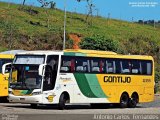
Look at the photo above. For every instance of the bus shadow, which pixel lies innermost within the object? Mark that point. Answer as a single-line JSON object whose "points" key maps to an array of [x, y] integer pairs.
{"points": [[70, 107]]}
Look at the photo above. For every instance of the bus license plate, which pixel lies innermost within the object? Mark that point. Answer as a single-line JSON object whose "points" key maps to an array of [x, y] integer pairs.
{"points": [[23, 99]]}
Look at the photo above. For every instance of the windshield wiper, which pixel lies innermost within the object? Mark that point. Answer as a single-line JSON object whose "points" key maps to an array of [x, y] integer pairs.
{"points": [[14, 85]]}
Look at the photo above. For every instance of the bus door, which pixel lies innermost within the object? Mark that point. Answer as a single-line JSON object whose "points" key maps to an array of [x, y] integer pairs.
{"points": [[50, 78]]}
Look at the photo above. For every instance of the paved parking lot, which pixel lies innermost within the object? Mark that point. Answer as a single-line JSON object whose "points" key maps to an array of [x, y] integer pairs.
{"points": [[24, 111]]}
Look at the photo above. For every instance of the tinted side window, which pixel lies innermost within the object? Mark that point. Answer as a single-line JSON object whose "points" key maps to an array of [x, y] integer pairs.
{"points": [[82, 64], [110, 66], [126, 66], [118, 66], [97, 65], [136, 67], [67, 64], [146, 67]]}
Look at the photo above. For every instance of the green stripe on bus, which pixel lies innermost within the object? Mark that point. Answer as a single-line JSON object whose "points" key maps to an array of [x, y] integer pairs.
{"points": [[83, 85], [80, 54], [74, 54], [26, 92], [69, 53], [95, 86]]}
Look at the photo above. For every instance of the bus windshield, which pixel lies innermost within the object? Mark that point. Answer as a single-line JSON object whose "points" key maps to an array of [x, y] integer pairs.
{"points": [[29, 59], [25, 77]]}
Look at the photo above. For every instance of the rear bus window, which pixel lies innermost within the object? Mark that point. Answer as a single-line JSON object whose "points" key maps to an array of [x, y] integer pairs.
{"points": [[146, 67]]}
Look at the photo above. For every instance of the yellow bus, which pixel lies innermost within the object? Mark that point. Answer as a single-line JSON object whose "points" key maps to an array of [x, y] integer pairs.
{"points": [[4, 58], [81, 76]]}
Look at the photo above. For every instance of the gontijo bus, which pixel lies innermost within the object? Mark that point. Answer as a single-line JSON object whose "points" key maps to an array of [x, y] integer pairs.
{"points": [[81, 76], [4, 58]]}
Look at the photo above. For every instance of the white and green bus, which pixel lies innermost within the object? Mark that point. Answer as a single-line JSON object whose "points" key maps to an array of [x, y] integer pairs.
{"points": [[80, 76]]}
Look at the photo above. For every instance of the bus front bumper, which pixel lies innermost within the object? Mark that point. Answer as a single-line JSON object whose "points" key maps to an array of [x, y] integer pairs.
{"points": [[25, 99]]}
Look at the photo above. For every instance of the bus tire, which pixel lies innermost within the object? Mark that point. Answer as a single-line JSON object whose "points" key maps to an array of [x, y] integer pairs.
{"points": [[124, 100], [133, 101], [62, 102], [4, 100]]}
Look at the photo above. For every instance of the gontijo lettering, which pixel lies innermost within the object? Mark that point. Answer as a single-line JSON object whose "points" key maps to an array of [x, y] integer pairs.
{"points": [[117, 79]]}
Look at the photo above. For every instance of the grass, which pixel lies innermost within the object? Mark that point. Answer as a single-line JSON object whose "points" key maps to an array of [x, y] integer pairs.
{"points": [[50, 20], [44, 30], [3, 49]]}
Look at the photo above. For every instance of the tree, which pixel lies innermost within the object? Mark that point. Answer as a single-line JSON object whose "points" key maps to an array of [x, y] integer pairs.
{"points": [[43, 3], [90, 9], [52, 5], [24, 2]]}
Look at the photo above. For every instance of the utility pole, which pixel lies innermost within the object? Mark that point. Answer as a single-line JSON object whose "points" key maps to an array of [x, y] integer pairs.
{"points": [[108, 18], [64, 37], [9, 2], [97, 12], [75, 10], [132, 19], [86, 10], [154, 24]]}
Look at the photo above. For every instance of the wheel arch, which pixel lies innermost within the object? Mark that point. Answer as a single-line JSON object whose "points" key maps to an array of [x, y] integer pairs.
{"points": [[66, 96]]}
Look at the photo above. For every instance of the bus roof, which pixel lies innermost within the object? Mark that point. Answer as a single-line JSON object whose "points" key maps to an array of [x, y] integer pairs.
{"points": [[9, 54], [91, 51], [12, 52], [80, 52], [6, 56], [41, 52], [108, 54]]}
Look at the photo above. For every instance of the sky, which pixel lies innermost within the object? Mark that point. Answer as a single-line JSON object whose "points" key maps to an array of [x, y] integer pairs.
{"points": [[129, 10]]}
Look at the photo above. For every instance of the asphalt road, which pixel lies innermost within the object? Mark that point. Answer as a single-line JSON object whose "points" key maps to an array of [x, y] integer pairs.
{"points": [[10, 111]]}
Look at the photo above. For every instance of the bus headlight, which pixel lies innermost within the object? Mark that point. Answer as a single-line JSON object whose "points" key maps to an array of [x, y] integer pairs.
{"points": [[36, 93], [10, 92]]}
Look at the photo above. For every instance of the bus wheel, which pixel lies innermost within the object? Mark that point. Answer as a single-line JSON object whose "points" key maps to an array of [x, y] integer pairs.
{"points": [[62, 102], [34, 106], [4, 100], [124, 100], [133, 101]]}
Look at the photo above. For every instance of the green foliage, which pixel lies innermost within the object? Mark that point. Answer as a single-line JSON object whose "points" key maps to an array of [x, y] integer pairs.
{"points": [[157, 80], [31, 28], [9, 33], [3, 49], [137, 43], [157, 72], [53, 5], [157, 76], [98, 42], [69, 44]]}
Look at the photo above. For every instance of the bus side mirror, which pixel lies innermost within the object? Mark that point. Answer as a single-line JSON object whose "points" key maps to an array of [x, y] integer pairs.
{"points": [[41, 69], [6, 68]]}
